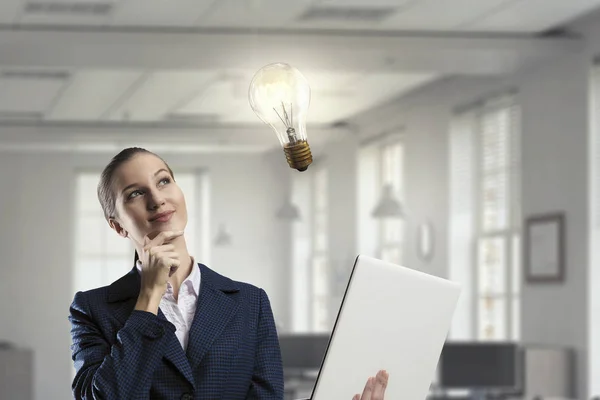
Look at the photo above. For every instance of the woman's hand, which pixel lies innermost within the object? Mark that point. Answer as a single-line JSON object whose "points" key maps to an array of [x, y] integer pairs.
{"points": [[159, 261], [375, 387]]}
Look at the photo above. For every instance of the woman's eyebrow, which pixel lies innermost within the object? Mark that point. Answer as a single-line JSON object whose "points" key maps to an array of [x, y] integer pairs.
{"points": [[135, 184]]}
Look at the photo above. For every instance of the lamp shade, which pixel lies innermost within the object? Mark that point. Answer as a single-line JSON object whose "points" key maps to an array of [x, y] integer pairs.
{"points": [[389, 206], [288, 211], [223, 237]]}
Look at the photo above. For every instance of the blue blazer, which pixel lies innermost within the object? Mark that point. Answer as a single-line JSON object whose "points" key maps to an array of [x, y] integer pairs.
{"points": [[121, 353]]}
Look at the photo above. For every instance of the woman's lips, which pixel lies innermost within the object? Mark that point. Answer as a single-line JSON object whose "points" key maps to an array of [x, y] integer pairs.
{"points": [[163, 217]]}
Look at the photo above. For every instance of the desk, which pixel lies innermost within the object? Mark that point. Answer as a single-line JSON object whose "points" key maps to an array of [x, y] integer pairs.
{"points": [[298, 384]]}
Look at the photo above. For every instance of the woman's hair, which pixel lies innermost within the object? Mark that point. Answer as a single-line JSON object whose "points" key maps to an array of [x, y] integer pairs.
{"points": [[106, 193]]}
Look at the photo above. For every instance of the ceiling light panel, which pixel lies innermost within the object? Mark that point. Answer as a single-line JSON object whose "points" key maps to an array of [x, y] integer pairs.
{"points": [[74, 12], [91, 93], [30, 91], [533, 15], [160, 13], [160, 94], [9, 9]]}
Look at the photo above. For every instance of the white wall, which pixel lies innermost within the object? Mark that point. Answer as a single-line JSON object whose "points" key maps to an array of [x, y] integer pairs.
{"points": [[340, 161], [36, 273], [555, 170], [590, 28], [36, 201]]}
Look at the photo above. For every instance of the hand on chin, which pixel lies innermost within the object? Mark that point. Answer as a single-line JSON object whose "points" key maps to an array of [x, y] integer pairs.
{"points": [[167, 227]]}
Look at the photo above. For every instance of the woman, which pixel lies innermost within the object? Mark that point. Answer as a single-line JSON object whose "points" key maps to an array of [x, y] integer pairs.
{"points": [[171, 328]]}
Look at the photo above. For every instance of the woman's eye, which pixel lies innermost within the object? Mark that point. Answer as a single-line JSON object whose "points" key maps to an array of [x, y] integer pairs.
{"points": [[131, 195], [162, 182]]}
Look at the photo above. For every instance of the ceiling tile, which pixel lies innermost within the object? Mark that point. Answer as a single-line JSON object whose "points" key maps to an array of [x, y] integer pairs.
{"points": [[28, 94], [332, 97], [368, 92], [224, 98], [331, 94], [254, 13], [9, 9], [91, 93], [378, 87], [66, 12], [229, 100], [324, 81], [363, 3], [439, 15], [533, 15], [159, 13], [161, 93]]}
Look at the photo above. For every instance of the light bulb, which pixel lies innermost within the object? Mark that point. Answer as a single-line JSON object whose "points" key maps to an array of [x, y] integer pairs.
{"points": [[280, 95]]}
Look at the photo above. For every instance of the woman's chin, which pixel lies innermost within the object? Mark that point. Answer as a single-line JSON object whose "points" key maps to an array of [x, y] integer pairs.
{"points": [[158, 229]]}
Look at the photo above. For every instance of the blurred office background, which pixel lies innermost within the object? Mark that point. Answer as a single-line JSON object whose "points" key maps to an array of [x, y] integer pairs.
{"points": [[454, 137]]}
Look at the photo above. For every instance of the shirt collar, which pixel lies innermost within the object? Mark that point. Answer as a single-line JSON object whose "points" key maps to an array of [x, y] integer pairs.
{"points": [[192, 279]]}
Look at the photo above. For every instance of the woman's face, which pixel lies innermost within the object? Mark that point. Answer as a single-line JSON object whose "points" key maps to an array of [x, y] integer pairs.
{"points": [[148, 200]]}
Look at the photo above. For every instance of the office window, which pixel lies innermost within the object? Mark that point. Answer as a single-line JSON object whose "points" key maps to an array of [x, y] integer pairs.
{"points": [[301, 254], [368, 193], [461, 224], [380, 163], [310, 282], [320, 253], [101, 256], [487, 168], [392, 229]]}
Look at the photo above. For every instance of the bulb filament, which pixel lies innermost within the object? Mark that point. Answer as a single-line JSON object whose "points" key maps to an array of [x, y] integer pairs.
{"points": [[288, 122]]}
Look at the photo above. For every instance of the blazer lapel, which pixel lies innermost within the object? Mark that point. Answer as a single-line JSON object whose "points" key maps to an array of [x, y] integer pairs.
{"points": [[214, 310], [124, 293], [175, 354]]}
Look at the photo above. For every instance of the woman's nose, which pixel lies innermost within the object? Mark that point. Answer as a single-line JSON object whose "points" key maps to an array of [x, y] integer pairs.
{"points": [[155, 200]]}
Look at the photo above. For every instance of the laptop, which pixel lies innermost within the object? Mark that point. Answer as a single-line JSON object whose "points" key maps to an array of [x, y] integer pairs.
{"points": [[392, 318]]}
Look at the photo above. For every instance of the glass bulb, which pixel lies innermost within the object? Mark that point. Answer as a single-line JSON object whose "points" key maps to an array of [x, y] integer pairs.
{"points": [[280, 96]]}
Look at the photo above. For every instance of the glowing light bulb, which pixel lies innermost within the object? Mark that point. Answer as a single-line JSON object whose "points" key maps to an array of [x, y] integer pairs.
{"points": [[280, 95]]}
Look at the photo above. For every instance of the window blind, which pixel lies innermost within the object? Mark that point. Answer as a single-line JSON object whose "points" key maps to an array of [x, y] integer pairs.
{"points": [[485, 218]]}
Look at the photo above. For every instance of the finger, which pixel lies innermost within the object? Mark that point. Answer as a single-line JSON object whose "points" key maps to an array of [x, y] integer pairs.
{"points": [[356, 397], [173, 266], [165, 248], [169, 254], [157, 252], [147, 244], [387, 379], [169, 263], [368, 390], [165, 236], [166, 265], [152, 250], [379, 385], [162, 255]]}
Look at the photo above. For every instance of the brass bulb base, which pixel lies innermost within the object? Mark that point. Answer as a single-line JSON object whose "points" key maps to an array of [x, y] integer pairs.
{"points": [[298, 155]]}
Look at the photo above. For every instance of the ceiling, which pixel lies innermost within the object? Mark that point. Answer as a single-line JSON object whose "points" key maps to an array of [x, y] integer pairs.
{"points": [[206, 96], [124, 62], [413, 15]]}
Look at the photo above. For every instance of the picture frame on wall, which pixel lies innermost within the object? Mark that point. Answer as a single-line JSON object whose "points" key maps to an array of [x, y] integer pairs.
{"points": [[544, 248]]}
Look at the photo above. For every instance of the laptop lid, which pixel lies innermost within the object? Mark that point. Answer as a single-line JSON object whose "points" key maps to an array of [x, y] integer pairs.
{"points": [[392, 318]]}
